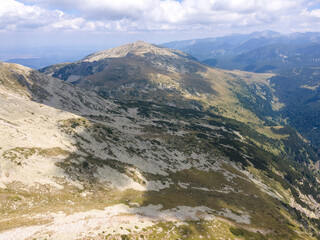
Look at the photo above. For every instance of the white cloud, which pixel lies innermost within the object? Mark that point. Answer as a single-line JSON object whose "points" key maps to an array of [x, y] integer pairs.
{"points": [[314, 13], [15, 15], [157, 15]]}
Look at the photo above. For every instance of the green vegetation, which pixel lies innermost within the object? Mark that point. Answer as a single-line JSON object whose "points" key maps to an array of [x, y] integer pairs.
{"points": [[196, 230], [298, 89], [19, 154], [236, 231], [255, 97]]}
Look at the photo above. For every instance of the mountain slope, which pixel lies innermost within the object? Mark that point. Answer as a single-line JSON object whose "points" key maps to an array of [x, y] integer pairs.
{"points": [[145, 72], [298, 89], [75, 165], [141, 71], [293, 57]]}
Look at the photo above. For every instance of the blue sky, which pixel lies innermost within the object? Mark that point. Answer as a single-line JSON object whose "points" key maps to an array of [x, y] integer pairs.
{"points": [[99, 24]]}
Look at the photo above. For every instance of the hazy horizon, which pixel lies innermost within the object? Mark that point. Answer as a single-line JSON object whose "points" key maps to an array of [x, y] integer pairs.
{"points": [[85, 47], [37, 28]]}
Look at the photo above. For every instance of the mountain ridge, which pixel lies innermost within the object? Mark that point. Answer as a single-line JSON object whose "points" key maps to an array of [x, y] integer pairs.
{"points": [[178, 77], [138, 48], [236, 44]]}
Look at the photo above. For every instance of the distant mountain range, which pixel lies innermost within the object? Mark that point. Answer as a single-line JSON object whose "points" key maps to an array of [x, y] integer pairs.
{"points": [[257, 52]]}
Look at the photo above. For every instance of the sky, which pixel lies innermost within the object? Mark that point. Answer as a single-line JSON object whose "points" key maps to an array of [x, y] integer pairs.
{"points": [[31, 27]]}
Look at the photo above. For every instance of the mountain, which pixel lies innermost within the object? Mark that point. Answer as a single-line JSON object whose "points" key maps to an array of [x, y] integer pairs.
{"points": [[209, 48], [228, 47], [256, 52], [275, 58], [142, 71], [148, 143]]}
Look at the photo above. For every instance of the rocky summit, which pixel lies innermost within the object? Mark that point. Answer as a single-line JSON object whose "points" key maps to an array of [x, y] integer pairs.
{"points": [[145, 142]]}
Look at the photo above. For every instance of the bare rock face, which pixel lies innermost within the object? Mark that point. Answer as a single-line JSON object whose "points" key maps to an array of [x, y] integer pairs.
{"points": [[74, 165]]}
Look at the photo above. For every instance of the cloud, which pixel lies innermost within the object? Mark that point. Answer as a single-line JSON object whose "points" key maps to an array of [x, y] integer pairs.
{"points": [[15, 15], [158, 15]]}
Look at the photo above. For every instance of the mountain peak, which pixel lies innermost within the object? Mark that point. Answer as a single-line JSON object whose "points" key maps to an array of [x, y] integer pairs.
{"points": [[141, 43], [136, 46], [139, 48]]}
